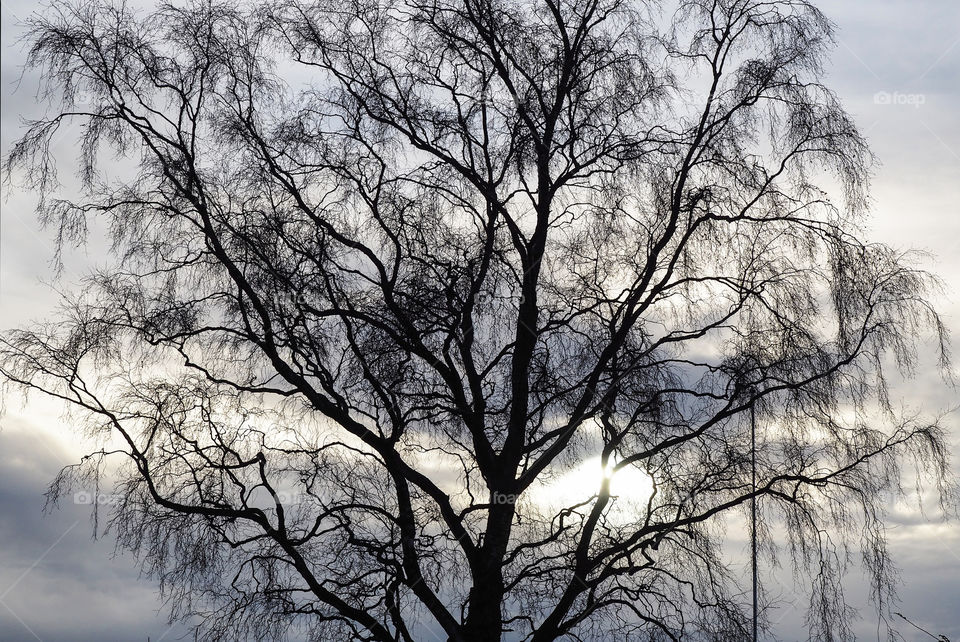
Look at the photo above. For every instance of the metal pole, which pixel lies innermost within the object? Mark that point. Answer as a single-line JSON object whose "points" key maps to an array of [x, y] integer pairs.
{"points": [[753, 513]]}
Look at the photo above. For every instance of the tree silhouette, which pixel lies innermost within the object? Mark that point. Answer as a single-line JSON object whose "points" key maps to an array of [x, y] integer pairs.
{"points": [[386, 270]]}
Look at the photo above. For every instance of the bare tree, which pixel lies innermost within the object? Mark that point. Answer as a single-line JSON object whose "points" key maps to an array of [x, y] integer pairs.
{"points": [[385, 270]]}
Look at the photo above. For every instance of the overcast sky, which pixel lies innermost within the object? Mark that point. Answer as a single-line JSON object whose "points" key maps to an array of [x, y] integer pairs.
{"points": [[897, 68]]}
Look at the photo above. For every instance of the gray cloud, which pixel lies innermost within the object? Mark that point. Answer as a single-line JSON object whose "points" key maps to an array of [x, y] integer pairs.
{"points": [[56, 581]]}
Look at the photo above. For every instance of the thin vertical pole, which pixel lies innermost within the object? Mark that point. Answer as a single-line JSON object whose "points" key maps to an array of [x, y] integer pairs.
{"points": [[753, 513]]}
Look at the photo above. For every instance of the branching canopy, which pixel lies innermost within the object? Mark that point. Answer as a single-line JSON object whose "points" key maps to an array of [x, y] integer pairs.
{"points": [[386, 269]]}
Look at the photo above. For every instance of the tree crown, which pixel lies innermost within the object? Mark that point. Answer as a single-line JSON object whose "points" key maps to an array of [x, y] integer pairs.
{"points": [[387, 269]]}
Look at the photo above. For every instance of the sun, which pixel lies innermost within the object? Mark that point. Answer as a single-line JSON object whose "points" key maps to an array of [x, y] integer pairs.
{"points": [[630, 489]]}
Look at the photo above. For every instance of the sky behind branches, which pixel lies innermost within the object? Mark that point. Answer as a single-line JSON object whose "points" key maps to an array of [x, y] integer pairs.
{"points": [[897, 68]]}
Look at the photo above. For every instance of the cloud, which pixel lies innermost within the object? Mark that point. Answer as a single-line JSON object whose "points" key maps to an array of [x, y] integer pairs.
{"points": [[56, 581]]}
